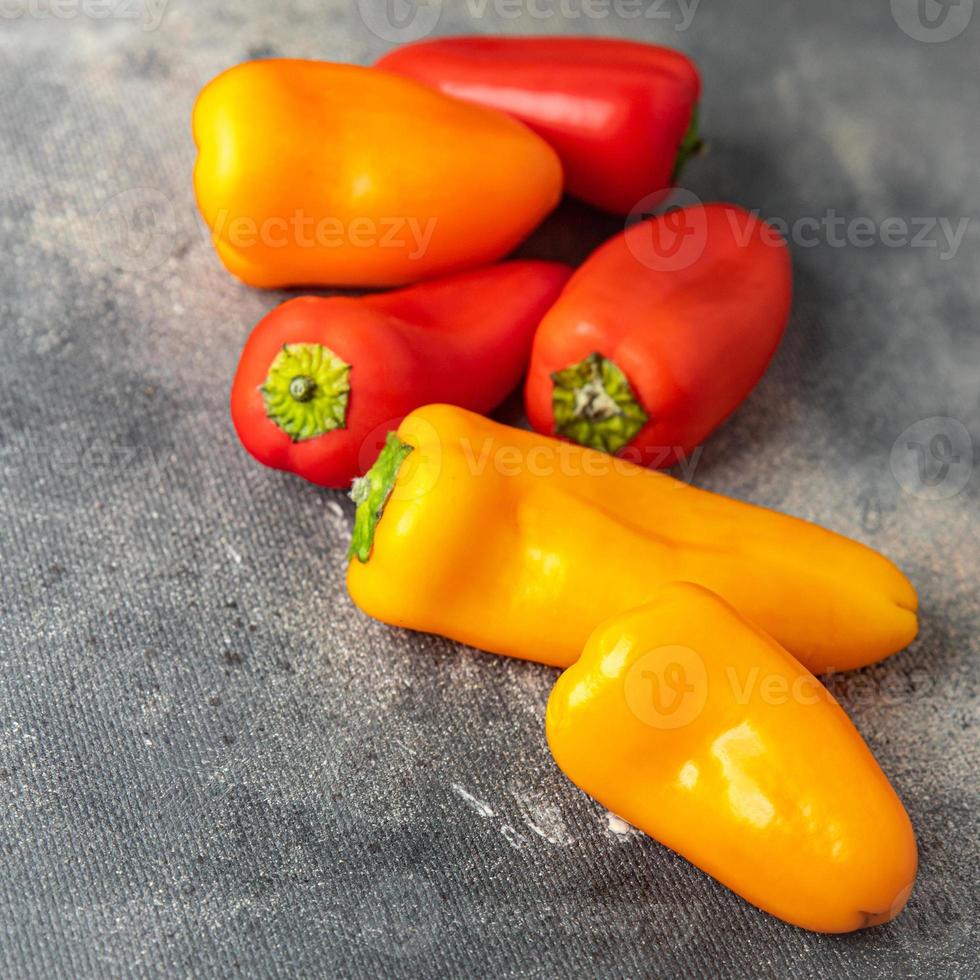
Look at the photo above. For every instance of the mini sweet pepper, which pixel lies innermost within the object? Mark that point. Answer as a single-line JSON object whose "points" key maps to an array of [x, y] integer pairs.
{"points": [[695, 726], [317, 173], [661, 334], [622, 115], [520, 544], [322, 380]]}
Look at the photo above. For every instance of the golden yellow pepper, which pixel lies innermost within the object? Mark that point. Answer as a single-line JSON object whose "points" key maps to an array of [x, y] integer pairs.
{"points": [[317, 173], [520, 544], [698, 728]]}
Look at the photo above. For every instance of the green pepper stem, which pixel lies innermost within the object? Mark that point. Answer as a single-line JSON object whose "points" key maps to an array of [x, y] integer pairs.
{"points": [[306, 391], [691, 146], [302, 388], [594, 405], [371, 492]]}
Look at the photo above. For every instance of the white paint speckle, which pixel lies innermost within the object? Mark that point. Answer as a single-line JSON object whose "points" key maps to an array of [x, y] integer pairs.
{"points": [[618, 826], [545, 820], [478, 806], [513, 837]]}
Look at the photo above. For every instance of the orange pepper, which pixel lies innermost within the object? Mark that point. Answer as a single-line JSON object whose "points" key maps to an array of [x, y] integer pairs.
{"points": [[317, 173], [520, 544], [699, 729]]}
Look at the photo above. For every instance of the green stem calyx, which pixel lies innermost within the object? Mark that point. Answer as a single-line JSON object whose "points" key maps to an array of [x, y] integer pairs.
{"points": [[594, 405], [306, 391], [302, 388], [691, 146], [371, 492]]}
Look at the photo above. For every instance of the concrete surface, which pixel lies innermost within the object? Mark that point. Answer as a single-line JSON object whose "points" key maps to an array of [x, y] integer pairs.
{"points": [[210, 762]]}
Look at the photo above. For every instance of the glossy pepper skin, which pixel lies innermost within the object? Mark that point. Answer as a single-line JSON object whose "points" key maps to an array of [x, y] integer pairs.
{"points": [[698, 728], [322, 380], [317, 173], [661, 334], [519, 544], [622, 115]]}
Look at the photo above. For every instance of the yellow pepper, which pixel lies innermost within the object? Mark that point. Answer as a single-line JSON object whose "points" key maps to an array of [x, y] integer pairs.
{"points": [[698, 728], [317, 173], [520, 544]]}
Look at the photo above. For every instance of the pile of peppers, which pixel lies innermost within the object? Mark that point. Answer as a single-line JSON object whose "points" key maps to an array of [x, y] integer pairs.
{"points": [[689, 627]]}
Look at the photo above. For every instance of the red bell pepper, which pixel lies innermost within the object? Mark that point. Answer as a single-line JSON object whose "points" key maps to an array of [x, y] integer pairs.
{"points": [[322, 380], [621, 115], [661, 333]]}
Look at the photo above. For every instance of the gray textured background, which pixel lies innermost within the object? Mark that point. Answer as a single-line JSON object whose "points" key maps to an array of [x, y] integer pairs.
{"points": [[210, 762]]}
